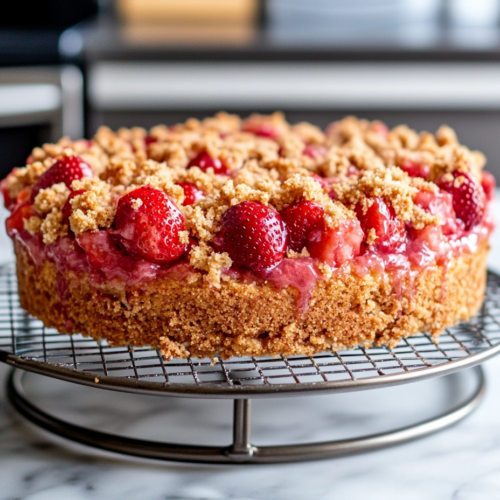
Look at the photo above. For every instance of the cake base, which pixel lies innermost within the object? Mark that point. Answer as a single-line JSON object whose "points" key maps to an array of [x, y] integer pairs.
{"points": [[240, 319]]}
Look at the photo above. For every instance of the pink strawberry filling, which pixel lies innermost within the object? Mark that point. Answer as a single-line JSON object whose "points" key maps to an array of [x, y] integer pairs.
{"points": [[415, 169], [144, 244]]}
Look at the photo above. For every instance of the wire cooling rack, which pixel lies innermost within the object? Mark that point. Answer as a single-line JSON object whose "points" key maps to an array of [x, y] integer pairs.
{"points": [[27, 344]]}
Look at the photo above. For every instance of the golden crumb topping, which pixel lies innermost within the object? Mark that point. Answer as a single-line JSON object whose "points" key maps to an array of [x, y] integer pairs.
{"points": [[54, 197], [94, 208], [261, 158]]}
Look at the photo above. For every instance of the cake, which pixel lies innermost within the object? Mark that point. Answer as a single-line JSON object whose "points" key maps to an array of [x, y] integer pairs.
{"points": [[229, 237]]}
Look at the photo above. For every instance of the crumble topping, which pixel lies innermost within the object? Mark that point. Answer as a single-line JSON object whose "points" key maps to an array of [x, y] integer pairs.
{"points": [[267, 160], [54, 197], [53, 227], [32, 225], [95, 208], [393, 185]]}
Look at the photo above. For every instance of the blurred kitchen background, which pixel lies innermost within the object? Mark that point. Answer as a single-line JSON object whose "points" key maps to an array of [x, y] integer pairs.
{"points": [[68, 67]]}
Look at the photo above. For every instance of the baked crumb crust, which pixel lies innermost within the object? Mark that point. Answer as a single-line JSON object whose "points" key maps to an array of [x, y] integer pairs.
{"points": [[211, 310], [239, 319]]}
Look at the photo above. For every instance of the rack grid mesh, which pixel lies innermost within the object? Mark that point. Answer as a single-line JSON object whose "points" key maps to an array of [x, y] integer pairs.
{"points": [[26, 338]]}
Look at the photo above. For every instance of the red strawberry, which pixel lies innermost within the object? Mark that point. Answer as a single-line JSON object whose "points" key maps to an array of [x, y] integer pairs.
{"points": [[300, 219], [67, 169], [415, 168], [321, 180], [148, 223], [260, 127], [352, 171], [315, 151], [336, 245], [191, 193], [440, 203], [488, 183], [469, 200], [204, 161], [380, 128], [8, 202], [15, 222], [390, 231], [149, 139], [67, 208], [100, 249], [253, 235]]}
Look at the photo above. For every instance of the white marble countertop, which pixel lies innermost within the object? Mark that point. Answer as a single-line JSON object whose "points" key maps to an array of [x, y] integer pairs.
{"points": [[461, 463]]}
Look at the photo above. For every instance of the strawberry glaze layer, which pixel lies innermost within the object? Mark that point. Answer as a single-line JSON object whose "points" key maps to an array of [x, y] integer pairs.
{"points": [[109, 266]]}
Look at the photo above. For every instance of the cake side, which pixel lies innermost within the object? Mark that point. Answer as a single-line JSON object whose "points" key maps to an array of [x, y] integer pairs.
{"points": [[252, 237], [254, 320]]}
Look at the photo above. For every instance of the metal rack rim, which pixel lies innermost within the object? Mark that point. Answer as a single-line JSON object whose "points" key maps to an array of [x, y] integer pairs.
{"points": [[27, 338], [241, 451], [244, 392]]}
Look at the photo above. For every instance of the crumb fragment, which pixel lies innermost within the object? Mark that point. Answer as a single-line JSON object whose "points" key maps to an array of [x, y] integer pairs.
{"points": [[94, 209], [54, 197]]}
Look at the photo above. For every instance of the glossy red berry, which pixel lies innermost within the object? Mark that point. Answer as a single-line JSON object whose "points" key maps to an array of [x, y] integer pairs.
{"points": [[390, 232], [301, 218], [321, 180], [415, 168], [315, 151], [67, 170], [204, 161], [337, 245], [100, 249], [469, 200], [148, 224], [441, 204], [261, 127], [15, 222], [254, 235], [8, 202], [149, 139], [191, 193], [488, 184], [67, 208]]}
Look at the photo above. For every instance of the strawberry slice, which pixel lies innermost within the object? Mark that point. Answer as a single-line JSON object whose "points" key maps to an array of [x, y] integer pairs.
{"points": [[254, 235], [335, 246], [8, 202], [204, 161], [191, 193], [148, 224], [149, 139], [15, 222], [315, 151], [67, 170], [441, 204], [415, 168], [389, 230], [301, 218], [100, 249], [469, 200], [260, 126], [488, 184]]}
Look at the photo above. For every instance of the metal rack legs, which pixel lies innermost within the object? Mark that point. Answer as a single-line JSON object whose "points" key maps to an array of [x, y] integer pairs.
{"points": [[241, 451]]}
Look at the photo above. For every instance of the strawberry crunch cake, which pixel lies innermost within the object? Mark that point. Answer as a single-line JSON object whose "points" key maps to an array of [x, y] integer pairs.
{"points": [[252, 237]]}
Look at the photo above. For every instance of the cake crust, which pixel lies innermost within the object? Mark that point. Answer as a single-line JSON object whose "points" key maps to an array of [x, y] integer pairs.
{"points": [[252, 237], [240, 319]]}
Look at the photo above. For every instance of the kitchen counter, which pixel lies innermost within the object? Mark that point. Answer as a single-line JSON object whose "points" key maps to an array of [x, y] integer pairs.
{"points": [[460, 463]]}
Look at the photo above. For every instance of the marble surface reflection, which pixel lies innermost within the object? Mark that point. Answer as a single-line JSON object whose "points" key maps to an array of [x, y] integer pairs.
{"points": [[461, 463]]}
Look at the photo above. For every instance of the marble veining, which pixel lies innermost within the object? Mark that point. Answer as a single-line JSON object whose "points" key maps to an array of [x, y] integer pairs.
{"points": [[461, 463]]}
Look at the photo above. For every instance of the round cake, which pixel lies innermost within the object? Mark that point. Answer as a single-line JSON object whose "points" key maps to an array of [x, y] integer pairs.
{"points": [[229, 237]]}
